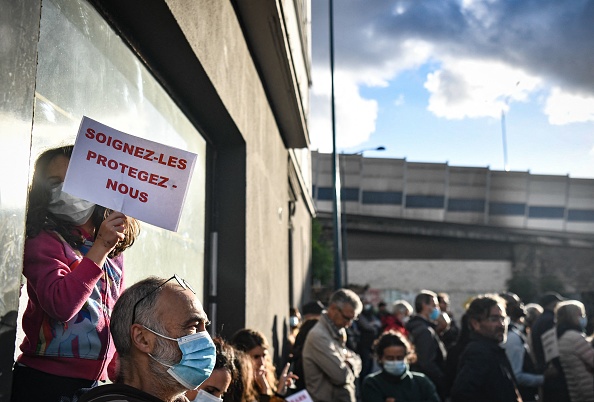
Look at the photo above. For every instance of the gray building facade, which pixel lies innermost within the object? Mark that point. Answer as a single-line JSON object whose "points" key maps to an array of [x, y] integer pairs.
{"points": [[227, 80]]}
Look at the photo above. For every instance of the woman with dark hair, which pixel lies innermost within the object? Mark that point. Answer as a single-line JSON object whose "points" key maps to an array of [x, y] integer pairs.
{"points": [[395, 382], [255, 344], [242, 387], [73, 263]]}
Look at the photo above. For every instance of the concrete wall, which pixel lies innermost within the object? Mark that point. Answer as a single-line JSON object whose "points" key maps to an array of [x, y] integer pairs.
{"points": [[396, 188], [389, 280], [216, 37]]}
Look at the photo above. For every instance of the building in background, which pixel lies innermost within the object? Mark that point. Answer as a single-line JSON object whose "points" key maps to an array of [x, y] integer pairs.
{"points": [[227, 80], [461, 230]]}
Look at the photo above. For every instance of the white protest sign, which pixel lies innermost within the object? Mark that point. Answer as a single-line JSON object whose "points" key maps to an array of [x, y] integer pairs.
{"points": [[138, 177], [549, 344], [301, 396]]}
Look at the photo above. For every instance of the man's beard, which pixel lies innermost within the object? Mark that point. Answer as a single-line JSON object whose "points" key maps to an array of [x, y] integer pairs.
{"points": [[167, 352], [502, 335]]}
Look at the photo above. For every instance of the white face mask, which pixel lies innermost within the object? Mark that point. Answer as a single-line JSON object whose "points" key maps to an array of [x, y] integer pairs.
{"points": [[68, 207], [204, 396]]}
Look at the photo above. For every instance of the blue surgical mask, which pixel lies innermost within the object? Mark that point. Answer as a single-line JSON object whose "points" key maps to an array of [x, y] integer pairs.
{"points": [[68, 207], [204, 396], [434, 314], [198, 359], [583, 322], [395, 367]]}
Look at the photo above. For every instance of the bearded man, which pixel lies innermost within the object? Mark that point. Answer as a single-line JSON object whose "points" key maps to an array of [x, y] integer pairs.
{"points": [[484, 372], [159, 330]]}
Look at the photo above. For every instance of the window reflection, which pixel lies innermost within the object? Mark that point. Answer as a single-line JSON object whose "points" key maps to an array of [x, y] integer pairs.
{"points": [[84, 68]]}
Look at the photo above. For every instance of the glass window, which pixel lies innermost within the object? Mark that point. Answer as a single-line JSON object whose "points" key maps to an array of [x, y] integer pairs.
{"points": [[84, 68]]}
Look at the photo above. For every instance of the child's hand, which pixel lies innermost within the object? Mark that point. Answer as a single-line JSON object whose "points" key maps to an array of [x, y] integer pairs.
{"points": [[112, 230]]}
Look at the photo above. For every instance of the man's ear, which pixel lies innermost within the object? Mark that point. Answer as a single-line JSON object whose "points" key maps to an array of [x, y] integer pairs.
{"points": [[331, 311], [475, 325], [424, 307], [142, 339]]}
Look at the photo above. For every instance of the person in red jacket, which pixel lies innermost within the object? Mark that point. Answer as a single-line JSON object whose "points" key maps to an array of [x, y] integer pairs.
{"points": [[74, 268]]}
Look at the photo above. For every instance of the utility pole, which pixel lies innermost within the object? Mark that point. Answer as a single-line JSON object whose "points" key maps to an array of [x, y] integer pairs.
{"points": [[335, 168]]}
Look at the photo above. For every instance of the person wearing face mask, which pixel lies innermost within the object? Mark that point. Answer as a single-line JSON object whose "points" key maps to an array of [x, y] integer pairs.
{"points": [[402, 312], [159, 330], [74, 267], [431, 353], [451, 332], [395, 382], [575, 352], [223, 374]]}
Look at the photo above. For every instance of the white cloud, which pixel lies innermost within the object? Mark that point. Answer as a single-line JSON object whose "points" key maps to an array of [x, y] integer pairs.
{"points": [[566, 108], [467, 88], [355, 115], [479, 12], [476, 52]]}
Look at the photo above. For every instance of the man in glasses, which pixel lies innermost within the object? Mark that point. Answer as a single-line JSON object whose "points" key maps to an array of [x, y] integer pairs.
{"points": [[331, 369], [159, 330], [484, 372]]}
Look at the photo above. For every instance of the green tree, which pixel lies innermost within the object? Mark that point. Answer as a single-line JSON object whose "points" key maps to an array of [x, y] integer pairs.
{"points": [[551, 283], [321, 255], [524, 287], [529, 288]]}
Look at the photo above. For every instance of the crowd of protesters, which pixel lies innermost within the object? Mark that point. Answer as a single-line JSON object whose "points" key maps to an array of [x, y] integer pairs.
{"points": [[82, 328], [499, 350]]}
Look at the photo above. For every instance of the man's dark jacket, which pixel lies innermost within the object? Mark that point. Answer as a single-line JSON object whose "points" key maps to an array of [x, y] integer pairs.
{"points": [[484, 374], [431, 353], [542, 324]]}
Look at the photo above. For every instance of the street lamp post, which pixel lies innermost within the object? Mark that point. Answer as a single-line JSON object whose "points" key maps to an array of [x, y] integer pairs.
{"points": [[337, 216], [335, 168], [343, 210]]}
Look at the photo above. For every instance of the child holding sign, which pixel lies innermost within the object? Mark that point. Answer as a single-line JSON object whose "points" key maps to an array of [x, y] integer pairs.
{"points": [[74, 268]]}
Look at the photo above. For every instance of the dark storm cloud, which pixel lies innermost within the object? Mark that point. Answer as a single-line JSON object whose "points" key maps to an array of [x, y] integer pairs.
{"points": [[553, 39]]}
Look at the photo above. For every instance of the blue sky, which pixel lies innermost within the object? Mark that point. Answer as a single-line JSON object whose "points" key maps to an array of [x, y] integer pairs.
{"points": [[429, 79]]}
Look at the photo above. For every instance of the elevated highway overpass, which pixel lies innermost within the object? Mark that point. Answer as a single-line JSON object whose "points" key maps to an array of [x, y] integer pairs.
{"points": [[463, 230]]}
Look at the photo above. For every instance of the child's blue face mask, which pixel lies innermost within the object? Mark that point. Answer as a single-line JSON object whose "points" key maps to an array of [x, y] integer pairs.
{"points": [[198, 359]]}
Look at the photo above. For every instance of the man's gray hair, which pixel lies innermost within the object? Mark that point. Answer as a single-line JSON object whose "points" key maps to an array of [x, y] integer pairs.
{"points": [[346, 296], [402, 306], [123, 311]]}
